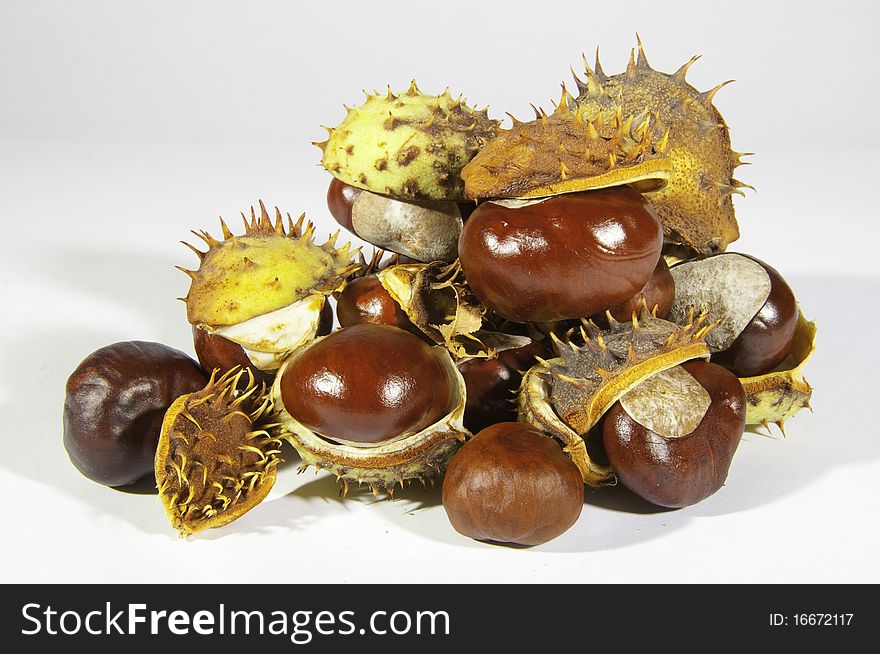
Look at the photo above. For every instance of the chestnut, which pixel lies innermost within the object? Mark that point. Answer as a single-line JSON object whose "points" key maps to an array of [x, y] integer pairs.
{"points": [[755, 308], [340, 198], [658, 293], [365, 300], [767, 338], [569, 256], [492, 383], [672, 438], [511, 483], [368, 384], [114, 405]]}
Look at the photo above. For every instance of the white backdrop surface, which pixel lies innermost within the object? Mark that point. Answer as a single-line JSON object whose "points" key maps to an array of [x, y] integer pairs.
{"points": [[125, 125]]}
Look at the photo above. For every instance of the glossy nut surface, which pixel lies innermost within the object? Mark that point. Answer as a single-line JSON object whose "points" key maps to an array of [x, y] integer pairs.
{"points": [[512, 484], [340, 198], [365, 300], [677, 472], [658, 292], [368, 384], [114, 406], [567, 257], [768, 337], [491, 384]]}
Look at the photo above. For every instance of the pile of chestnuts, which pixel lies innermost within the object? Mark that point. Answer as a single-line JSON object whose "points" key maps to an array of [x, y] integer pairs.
{"points": [[546, 307]]}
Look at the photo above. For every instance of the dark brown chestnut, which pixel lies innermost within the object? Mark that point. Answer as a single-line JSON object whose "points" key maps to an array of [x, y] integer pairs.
{"points": [[365, 300], [566, 257], [768, 337], [659, 292], [340, 199], [754, 309], [511, 483], [671, 439], [491, 384], [367, 384], [114, 406]]}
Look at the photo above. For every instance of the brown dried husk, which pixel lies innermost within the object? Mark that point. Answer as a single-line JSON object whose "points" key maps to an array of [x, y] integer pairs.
{"points": [[437, 300], [216, 460], [566, 396], [576, 148], [696, 205], [777, 396]]}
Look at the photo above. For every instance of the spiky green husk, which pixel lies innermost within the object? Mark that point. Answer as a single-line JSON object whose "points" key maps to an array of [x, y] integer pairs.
{"points": [[410, 146], [215, 459], [265, 269], [576, 148], [696, 205], [566, 396], [422, 456]]}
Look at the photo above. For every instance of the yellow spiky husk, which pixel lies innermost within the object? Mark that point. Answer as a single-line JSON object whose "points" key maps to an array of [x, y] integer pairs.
{"points": [[268, 267], [409, 145]]}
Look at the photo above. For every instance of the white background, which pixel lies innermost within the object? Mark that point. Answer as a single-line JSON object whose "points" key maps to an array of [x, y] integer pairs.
{"points": [[125, 125]]}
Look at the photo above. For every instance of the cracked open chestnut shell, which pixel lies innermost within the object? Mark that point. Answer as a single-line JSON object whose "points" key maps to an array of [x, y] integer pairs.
{"points": [[672, 438], [565, 257], [511, 483], [114, 405]]}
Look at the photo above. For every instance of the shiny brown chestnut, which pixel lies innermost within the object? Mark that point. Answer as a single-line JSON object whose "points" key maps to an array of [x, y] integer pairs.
{"points": [[566, 257], [491, 384], [367, 384], [114, 405], [340, 199], [658, 293], [671, 440], [768, 337], [511, 483], [217, 352], [365, 300]]}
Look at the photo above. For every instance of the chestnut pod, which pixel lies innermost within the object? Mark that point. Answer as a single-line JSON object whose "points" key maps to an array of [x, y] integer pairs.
{"points": [[492, 384], [658, 292], [511, 483], [368, 384], [671, 439], [566, 257], [114, 405], [340, 199]]}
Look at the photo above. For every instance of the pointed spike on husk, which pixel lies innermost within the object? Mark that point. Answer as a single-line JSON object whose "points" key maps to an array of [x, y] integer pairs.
{"points": [[739, 184], [682, 72], [642, 63], [600, 74], [227, 233], [631, 70], [198, 252], [581, 85], [413, 89], [706, 96], [192, 274]]}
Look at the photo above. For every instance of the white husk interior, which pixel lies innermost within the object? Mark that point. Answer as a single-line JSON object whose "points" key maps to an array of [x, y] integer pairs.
{"points": [[729, 288], [277, 332], [671, 403], [426, 232]]}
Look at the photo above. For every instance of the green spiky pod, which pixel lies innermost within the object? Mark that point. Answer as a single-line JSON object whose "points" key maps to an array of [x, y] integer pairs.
{"points": [[567, 395], [410, 146], [216, 460], [576, 148], [421, 456], [437, 300], [696, 205], [266, 289], [777, 396]]}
